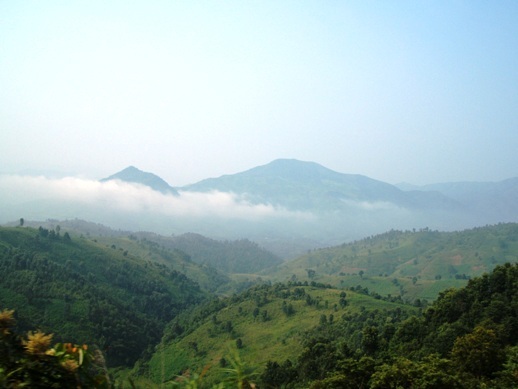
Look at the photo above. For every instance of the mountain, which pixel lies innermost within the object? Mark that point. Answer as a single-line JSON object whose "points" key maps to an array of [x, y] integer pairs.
{"points": [[204, 255], [286, 206], [132, 174], [299, 185], [497, 201]]}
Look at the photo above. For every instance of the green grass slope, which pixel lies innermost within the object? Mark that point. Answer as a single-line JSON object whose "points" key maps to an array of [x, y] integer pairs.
{"points": [[264, 323], [88, 292]]}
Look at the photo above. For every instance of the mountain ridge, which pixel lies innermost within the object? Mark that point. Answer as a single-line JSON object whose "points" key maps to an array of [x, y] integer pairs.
{"points": [[305, 185], [286, 206]]}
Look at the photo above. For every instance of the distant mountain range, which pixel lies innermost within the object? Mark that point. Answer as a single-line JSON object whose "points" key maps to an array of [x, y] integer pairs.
{"points": [[495, 201], [308, 186], [287, 206]]}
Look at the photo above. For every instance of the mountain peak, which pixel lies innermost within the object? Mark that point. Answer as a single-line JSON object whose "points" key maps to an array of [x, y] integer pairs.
{"points": [[300, 185], [135, 175], [294, 168]]}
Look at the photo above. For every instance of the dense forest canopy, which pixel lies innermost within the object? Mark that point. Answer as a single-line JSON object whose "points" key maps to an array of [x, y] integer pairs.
{"points": [[88, 293]]}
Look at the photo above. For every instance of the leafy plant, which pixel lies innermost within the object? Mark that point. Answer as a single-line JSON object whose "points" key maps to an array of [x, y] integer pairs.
{"points": [[32, 362]]}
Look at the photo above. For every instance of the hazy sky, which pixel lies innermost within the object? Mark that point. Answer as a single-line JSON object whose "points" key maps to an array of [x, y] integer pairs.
{"points": [[415, 91]]}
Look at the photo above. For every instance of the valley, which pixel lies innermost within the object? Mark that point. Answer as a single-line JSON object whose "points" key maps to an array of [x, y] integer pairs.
{"points": [[162, 307]]}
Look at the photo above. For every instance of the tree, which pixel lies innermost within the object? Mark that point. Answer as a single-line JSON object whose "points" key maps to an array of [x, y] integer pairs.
{"points": [[311, 273], [323, 320], [288, 308], [432, 372], [478, 353], [370, 339], [194, 346], [401, 374], [22, 221], [361, 273]]}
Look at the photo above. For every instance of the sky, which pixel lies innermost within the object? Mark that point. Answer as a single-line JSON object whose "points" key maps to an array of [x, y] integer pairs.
{"points": [[400, 91]]}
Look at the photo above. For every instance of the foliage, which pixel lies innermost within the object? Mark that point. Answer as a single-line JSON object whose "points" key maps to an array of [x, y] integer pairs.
{"points": [[32, 362], [460, 341], [478, 353], [268, 329], [304, 332], [89, 293]]}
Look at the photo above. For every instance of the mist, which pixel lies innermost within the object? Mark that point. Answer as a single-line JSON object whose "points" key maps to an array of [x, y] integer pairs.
{"points": [[220, 215]]}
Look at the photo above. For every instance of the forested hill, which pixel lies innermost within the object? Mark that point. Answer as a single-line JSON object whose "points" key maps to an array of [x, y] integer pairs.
{"points": [[90, 293], [236, 256], [424, 254], [226, 256]]}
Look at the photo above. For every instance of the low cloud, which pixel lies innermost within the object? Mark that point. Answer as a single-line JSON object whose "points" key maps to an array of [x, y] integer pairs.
{"points": [[134, 198], [372, 205]]}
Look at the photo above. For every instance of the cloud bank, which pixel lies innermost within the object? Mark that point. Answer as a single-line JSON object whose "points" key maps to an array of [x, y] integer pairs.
{"points": [[126, 197]]}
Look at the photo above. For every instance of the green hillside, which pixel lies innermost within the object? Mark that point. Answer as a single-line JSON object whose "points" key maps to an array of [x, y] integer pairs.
{"points": [[263, 323], [208, 278], [145, 245], [237, 256], [207, 261], [314, 336], [88, 292], [412, 263], [342, 317]]}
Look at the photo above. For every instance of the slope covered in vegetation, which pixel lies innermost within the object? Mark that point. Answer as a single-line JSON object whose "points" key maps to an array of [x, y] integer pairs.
{"points": [[418, 264], [237, 256], [90, 293], [263, 323], [314, 336]]}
